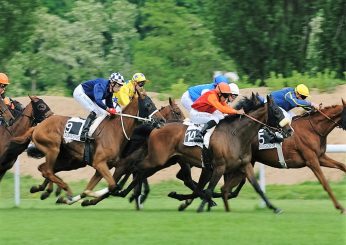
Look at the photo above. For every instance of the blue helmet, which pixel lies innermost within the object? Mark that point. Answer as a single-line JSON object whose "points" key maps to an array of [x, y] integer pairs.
{"points": [[220, 79]]}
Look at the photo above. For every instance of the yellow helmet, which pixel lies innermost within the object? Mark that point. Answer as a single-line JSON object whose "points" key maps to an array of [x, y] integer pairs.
{"points": [[302, 90], [139, 77], [4, 79]]}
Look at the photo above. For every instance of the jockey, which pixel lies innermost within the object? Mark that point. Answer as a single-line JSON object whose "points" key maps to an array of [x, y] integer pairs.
{"points": [[15, 107], [91, 94], [4, 81], [289, 98], [128, 91], [193, 93], [211, 107]]}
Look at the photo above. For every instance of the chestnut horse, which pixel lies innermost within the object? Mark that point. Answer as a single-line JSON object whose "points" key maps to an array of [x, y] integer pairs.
{"points": [[306, 148], [109, 140], [230, 144], [170, 112], [35, 112]]}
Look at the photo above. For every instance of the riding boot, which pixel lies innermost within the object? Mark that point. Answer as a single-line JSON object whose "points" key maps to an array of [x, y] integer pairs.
{"points": [[87, 124], [200, 134]]}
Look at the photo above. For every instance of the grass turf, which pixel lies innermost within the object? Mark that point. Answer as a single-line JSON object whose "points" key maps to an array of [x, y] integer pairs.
{"points": [[309, 218]]}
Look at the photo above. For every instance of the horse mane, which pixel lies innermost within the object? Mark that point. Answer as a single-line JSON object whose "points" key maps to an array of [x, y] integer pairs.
{"points": [[312, 112], [248, 104]]}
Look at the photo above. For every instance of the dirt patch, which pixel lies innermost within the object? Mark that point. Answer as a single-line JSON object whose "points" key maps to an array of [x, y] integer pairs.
{"points": [[69, 107]]}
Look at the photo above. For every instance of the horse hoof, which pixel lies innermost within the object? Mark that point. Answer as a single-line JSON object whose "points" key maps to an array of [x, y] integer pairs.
{"points": [[60, 200], [44, 195], [57, 192], [85, 203], [182, 207], [172, 194], [278, 211], [34, 189], [132, 197]]}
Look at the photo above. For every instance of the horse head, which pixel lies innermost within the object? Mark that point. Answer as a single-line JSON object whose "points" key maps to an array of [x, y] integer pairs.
{"points": [[40, 109], [147, 109], [172, 112]]}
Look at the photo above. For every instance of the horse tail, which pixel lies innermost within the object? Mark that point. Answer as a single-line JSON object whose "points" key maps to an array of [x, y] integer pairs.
{"points": [[33, 152], [24, 138]]}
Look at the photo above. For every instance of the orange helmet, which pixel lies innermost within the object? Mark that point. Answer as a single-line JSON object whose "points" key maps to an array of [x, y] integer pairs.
{"points": [[223, 88], [4, 79]]}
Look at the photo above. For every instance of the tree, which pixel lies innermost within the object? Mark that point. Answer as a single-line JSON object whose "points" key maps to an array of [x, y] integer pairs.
{"points": [[175, 45], [17, 20], [89, 43]]}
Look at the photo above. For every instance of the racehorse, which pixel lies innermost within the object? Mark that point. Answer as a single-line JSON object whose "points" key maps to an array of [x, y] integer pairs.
{"points": [[170, 112], [229, 144], [109, 140], [35, 112], [306, 148]]}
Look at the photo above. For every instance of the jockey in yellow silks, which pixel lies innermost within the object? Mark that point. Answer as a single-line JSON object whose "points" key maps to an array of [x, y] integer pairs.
{"points": [[128, 91]]}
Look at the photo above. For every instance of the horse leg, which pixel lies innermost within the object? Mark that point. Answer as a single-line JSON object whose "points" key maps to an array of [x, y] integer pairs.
{"points": [[316, 169], [102, 168], [48, 190], [328, 162], [216, 176], [250, 174], [41, 187], [2, 173]]}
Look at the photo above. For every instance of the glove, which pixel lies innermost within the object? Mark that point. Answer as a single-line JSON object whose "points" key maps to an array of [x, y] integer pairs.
{"points": [[111, 111]]}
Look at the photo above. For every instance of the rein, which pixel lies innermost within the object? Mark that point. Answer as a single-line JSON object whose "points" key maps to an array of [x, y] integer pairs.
{"points": [[327, 117], [256, 120]]}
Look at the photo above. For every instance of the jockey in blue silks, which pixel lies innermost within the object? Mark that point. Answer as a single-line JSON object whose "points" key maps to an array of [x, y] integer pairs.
{"points": [[289, 98], [193, 93], [91, 94]]}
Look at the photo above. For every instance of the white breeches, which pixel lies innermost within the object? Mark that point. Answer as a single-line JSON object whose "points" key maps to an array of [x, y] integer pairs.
{"points": [[289, 115], [204, 117], [86, 102], [186, 101]]}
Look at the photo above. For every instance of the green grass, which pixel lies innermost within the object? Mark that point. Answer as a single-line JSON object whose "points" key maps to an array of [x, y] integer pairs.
{"points": [[309, 218]]}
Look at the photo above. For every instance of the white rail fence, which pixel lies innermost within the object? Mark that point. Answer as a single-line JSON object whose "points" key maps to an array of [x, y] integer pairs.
{"points": [[262, 182]]}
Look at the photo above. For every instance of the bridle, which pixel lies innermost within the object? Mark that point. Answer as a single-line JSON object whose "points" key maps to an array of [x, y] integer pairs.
{"points": [[175, 114], [328, 118]]}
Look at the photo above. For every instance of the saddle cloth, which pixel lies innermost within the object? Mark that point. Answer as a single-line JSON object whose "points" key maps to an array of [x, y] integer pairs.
{"points": [[191, 132], [74, 126], [264, 143]]}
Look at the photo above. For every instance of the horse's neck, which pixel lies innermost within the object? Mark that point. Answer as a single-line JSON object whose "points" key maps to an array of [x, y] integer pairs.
{"points": [[324, 125], [131, 109], [23, 122], [247, 128]]}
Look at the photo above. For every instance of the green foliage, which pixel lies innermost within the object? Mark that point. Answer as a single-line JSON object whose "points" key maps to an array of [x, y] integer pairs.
{"points": [[324, 81], [332, 40], [177, 89], [17, 21], [176, 45], [62, 53]]}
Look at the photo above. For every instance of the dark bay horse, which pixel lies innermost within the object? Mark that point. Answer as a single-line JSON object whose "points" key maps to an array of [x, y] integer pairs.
{"points": [[109, 140], [170, 112], [306, 148], [229, 144], [35, 112]]}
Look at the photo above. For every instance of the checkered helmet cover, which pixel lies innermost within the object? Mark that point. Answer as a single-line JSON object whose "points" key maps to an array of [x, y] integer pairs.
{"points": [[117, 77]]}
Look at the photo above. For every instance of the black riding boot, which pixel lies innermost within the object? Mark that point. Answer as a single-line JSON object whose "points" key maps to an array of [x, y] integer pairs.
{"points": [[200, 134], [87, 124]]}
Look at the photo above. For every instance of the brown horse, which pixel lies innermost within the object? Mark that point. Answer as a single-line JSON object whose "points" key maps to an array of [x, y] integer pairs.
{"points": [[230, 144], [170, 112], [36, 111], [109, 140], [306, 148]]}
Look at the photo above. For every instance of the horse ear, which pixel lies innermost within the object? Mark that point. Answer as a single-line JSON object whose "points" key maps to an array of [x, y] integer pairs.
{"points": [[343, 102], [171, 101], [252, 96], [31, 98], [269, 99]]}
